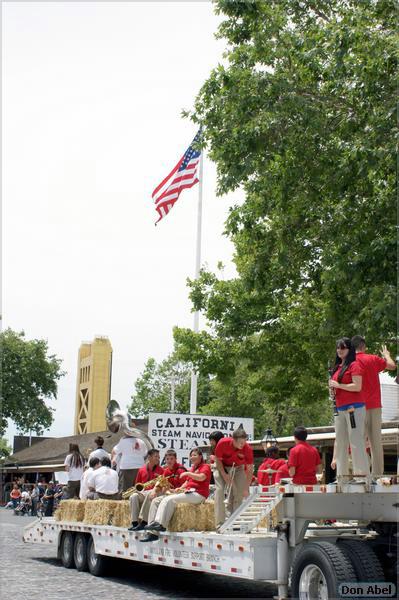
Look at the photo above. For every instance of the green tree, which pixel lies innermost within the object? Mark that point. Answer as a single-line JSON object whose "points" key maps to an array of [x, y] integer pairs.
{"points": [[5, 449], [154, 386], [302, 117], [29, 378]]}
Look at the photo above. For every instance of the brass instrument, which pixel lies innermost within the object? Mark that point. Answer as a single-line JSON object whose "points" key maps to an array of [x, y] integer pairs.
{"points": [[118, 420], [158, 482]]}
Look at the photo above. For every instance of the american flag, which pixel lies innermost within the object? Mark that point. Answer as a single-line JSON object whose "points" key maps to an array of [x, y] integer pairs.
{"points": [[183, 176]]}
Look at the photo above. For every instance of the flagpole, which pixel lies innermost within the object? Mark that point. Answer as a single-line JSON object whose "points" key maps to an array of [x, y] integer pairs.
{"points": [[194, 376]]}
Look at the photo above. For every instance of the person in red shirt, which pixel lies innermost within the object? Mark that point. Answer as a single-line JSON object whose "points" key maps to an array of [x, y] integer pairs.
{"points": [[232, 452], [372, 366], [147, 473], [195, 490], [350, 420], [173, 469], [214, 439], [303, 460], [273, 463], [15, 495], [282, 473]]}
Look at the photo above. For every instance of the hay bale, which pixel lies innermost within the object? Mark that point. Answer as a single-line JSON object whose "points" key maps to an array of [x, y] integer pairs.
{"points": [[70, 510], [208, 514], [122, 516], [99, 512], [192, 517]]}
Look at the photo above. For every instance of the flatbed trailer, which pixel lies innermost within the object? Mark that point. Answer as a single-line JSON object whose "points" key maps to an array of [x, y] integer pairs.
{"points": [[277, 536]]}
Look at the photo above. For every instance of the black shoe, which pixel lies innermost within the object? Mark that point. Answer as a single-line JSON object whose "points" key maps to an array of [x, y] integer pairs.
{"points": [[134, 525], [150, 526], [157, 527], [150, 537], [140, 526]]}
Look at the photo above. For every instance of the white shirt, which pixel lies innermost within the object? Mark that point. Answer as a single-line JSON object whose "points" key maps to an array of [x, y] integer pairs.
{"points": [[132, 452], [84, 488], [99, 453], [104, 480], [74, 473]]}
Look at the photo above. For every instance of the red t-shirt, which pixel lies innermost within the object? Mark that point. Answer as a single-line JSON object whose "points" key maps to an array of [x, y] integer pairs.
{"points": [[344, 397], [145, 474], [305, 459], [372, 365], [15, 494], [201, 487], [282, 473], [177, 470], [228, 454], [269, 463]]}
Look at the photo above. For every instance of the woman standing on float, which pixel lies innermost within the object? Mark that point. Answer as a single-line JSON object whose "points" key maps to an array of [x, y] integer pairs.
{"points": [[346, 382]]}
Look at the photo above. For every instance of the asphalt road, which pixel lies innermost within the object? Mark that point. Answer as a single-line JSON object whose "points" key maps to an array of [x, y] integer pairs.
{"points": [[30, 572]]}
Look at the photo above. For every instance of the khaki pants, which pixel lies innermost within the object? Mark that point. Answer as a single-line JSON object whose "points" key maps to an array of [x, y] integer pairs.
{"points": [[167, 505], [148, 505], [345, 436], [153, 508], [136, 502], [236, 493], [373, 432]]}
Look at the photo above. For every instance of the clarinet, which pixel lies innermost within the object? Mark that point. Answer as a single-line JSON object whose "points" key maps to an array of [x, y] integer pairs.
{"points": [[331, 391]]}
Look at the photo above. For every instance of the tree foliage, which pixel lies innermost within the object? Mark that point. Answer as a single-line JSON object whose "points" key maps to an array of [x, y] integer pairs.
{"points": [[153, 388], [29, 378], [301, 117], [5, 449]]}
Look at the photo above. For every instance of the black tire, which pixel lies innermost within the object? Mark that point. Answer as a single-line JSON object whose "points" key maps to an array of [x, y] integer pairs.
{"points": [[365, 563], [66, 550], [97, 563], [80, 552], [318, 569]]}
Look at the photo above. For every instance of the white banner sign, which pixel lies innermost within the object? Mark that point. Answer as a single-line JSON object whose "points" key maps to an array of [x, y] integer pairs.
{"points": [[183, 432]]}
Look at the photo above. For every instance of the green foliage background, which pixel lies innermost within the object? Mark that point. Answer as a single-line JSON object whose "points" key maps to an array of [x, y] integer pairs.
{"points": [[29, 377]]}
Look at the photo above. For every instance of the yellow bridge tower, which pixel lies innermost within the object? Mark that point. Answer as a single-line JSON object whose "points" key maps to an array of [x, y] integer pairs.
{"points": [[93, 387]]}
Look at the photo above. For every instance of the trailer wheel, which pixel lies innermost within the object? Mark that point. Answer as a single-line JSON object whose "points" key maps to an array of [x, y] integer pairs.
{"points": [[97, 563], [80, 552], [66, 550], [365, 563], [318, 569]]}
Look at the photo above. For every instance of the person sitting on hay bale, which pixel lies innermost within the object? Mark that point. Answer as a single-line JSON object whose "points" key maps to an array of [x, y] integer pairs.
{"points": [[195, 490], [84, 486], [103, 482], [145, 476]]}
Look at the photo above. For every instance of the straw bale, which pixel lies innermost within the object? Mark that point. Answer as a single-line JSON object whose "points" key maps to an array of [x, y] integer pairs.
{"points": [[192, 517], [99, 512], [121, 516], [70, 510]]}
